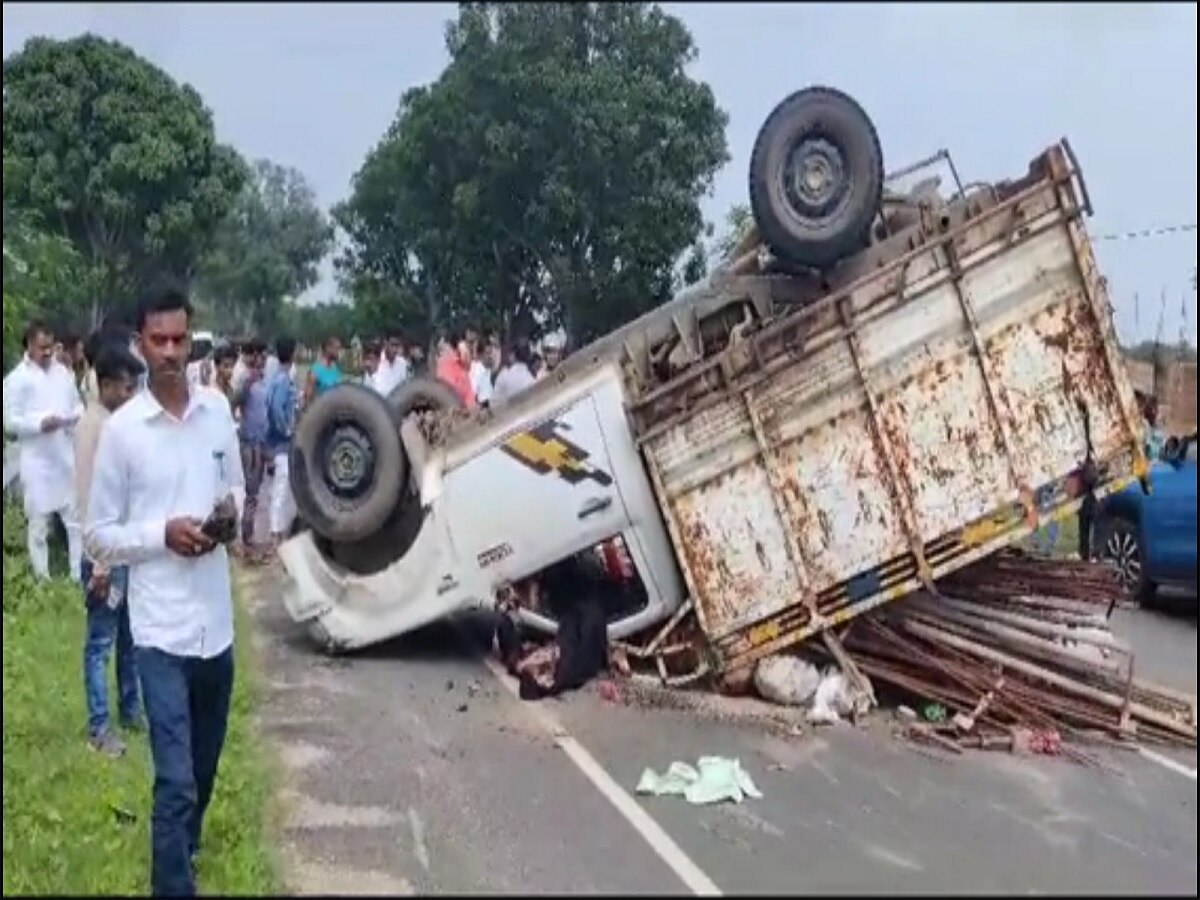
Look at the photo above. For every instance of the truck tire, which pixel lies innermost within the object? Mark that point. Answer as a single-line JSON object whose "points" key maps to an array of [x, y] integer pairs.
{"points": [[816, 178], [422, 394], [348, 468], [390, 542]]}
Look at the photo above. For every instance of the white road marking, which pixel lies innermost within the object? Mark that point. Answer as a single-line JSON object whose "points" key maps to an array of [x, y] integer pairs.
{"points": [[1167, 763], [660, 842]]}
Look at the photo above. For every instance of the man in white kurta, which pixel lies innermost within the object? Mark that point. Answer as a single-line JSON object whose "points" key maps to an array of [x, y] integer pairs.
{"points": [[41, 406]]}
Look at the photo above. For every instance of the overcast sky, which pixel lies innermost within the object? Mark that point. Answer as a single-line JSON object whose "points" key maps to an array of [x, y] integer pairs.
{"points": [[314, 86]]}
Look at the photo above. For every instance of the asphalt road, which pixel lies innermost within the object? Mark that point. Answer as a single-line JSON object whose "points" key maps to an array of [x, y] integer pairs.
{"points": [[411, 768]]}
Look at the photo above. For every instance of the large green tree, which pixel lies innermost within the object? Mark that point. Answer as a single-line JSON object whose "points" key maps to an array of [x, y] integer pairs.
{"points": [[266, 250], [110, 152], [553, 171]]}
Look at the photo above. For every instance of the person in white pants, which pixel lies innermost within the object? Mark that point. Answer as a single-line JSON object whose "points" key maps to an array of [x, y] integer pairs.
{"points": [[41, 406], [282, 402]]}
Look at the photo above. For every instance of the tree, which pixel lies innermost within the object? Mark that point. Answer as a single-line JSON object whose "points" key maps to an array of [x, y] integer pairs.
{"points": [[265, 250], [553, 171], [738, 222], [109, 152]]}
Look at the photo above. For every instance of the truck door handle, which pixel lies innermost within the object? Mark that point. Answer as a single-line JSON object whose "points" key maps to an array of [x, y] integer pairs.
{"points": [[595, 505]]}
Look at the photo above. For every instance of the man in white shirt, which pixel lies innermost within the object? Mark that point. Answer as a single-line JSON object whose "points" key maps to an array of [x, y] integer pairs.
{"points": [[481, 372], [166, 474], [393, 366], [41, 406], [515, 376]]}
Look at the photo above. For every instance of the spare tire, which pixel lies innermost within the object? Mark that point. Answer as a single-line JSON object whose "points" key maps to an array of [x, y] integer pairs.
{"points": [[816, 177], [347, 465], [421, 394]]}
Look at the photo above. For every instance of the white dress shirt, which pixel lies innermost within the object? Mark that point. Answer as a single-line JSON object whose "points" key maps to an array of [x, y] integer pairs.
{"points": [[511, 381], [390, 374], [47, 458], [481, 382], [151, 467]]}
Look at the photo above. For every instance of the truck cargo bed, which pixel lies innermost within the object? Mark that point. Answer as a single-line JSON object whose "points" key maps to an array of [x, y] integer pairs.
{"points": [[939, 406]]}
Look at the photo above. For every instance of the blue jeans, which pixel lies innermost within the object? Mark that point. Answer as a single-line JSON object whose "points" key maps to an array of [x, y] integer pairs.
{"points": [[187, 707], [106, 626]]}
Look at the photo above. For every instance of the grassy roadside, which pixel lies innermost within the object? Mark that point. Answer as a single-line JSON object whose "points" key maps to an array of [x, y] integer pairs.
{"points": [[78, 823]]}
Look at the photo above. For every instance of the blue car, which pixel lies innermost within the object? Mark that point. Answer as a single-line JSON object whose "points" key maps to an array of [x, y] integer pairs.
{"points": [[1151, 538]]}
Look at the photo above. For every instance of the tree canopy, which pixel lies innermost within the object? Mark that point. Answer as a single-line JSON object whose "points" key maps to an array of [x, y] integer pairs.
{"points": [[552, 173], [267, 249], [109, 152]]}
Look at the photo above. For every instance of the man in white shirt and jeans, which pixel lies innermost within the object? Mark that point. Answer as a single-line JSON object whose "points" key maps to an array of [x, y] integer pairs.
{"points": [[165, 460]]}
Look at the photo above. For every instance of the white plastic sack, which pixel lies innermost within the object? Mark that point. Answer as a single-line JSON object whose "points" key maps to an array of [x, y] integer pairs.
{"points": [[787, 680], [834, 699]]}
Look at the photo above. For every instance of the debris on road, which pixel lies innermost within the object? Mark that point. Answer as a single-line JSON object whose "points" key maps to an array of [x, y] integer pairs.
{"points": [[1016, 671], [714, 779], [787, 680], [1014, 653]]}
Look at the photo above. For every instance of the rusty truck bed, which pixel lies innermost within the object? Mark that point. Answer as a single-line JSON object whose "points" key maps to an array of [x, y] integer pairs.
{"points": [[925, 414]]}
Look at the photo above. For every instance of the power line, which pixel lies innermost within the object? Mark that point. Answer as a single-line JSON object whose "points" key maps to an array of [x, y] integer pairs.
{"points": [[1146, 233]]}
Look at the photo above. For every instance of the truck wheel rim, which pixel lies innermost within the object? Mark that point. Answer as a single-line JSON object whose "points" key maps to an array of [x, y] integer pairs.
{"points": [[814, 177], [1122, 551], [349, 460]]}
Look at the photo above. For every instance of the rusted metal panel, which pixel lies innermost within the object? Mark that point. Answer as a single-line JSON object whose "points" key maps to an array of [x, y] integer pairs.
{"points": [[733, 543], [930, 417]]}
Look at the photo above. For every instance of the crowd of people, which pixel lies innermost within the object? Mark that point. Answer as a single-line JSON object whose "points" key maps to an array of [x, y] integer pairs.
{"points": [[148, 448]]}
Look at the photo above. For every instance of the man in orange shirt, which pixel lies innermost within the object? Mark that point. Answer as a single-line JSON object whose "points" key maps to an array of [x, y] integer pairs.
{"points": [[454, 368]]}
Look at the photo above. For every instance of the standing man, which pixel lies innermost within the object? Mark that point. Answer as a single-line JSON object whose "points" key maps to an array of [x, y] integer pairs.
{"points": [[117, 372], [250, 410], [166, 475], [224, 360], [454, 367], [371, 368], [393, 366], [41, 406], [282, 401], [416, 360]]}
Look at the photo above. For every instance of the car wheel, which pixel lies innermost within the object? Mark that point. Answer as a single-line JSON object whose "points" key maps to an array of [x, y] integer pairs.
{"points": [[347, 468], [816, 177], [420, 394], [1121, 547]]}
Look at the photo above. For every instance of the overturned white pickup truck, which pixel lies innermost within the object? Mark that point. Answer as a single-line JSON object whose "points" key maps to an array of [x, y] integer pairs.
{"points": [[877, 389]]}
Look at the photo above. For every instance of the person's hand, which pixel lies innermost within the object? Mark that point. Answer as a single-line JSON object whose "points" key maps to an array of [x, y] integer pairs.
{"points": [[98, 584], [51, 423], [185, 537]]}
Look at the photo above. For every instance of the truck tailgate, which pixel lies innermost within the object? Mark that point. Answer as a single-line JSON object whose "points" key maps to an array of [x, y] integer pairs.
{"points": [[932, 413]]}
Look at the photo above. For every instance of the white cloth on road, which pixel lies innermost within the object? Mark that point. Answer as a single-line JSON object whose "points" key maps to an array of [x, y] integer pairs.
{"points": [[152, 467], [714, 779]]}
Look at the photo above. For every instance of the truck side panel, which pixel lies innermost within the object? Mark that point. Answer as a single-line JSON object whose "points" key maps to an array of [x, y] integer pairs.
{"points": [[914, 435]]}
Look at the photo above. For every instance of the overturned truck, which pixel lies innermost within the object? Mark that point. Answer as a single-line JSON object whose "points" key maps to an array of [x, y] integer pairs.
{"points": [[879, 387]]}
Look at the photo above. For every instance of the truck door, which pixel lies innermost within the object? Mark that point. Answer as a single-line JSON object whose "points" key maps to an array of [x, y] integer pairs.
{"points": [[547, 490]]}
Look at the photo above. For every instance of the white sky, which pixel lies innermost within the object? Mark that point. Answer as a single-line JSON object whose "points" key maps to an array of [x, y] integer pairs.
{"points": [[315, 85]]}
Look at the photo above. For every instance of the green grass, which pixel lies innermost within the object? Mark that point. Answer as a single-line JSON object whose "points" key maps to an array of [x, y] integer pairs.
{"points": [[65, 828]]}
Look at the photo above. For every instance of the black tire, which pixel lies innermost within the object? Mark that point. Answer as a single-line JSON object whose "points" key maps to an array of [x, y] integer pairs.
{"points": [[421, 394], [1119, 543], [384, 546], [350, 426], [821, 222]]}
